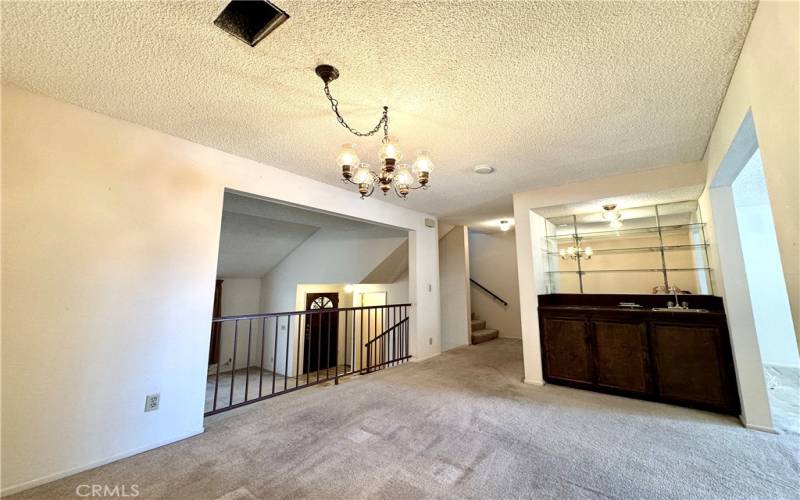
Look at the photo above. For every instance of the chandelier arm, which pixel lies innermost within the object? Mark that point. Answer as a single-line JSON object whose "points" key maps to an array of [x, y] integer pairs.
{"points": [[335, 107]]}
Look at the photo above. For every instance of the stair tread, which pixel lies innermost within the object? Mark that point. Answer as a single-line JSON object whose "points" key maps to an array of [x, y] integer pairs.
{"points": [[484, 335], [477, 324]]}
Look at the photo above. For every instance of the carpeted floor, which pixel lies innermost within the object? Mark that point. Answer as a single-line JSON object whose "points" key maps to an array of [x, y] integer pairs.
{"points": [[459, 425]]}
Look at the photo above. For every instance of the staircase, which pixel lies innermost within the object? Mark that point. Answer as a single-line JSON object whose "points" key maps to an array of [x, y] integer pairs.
{"points": [[480, 333]]}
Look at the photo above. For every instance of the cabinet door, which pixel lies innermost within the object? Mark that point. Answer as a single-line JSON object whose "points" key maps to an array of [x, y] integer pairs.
{"points": [[567, 352], [689, 365], [621, 355]]}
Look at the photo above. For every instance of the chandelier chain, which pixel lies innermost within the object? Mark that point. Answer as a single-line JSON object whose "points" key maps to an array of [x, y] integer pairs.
{"points": [[383, 121]]}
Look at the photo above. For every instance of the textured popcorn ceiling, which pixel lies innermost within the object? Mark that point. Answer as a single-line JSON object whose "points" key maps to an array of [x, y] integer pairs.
{"points": [[547, 93]]}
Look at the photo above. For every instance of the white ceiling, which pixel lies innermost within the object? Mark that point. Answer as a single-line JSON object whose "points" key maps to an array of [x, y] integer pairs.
{"points": [[547, 92], [256, 234]]}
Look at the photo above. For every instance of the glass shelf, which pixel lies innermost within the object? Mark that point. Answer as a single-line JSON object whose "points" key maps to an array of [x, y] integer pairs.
{"points": [[658, 270], [657, 246], [618, 233], [640, 249]]}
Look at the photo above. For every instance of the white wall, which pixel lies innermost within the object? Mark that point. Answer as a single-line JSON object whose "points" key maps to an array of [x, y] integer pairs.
{"points": [[767, 288], [454, 280], [239, 296], [328, 257], [493, 264], [110, 233], [765, 83], [773, 317]]}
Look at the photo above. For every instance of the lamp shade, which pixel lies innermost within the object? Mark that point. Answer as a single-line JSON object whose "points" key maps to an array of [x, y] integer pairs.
{"points": [[423, 162], [362, 175], [389, 150], [403, 176], [347, 156]]}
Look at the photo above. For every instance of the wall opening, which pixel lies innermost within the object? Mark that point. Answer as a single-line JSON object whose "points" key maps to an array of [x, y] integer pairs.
{"points": [[767, 291]]}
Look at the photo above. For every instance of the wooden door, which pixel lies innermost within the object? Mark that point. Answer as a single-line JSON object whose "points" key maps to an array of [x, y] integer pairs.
{"points": [[568, 354], [689, 365], [322, 332], [620, 355]]}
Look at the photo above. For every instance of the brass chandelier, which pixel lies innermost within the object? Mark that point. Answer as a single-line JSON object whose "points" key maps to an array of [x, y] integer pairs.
{"points": [[392, 175]]}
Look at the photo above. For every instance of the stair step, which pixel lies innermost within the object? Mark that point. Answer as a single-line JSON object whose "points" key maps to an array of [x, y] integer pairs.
{"points": [[480, 336], [478, 324]]}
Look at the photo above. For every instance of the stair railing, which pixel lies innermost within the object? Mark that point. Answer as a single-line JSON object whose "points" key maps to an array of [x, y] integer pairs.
{"points": [[489, 292], [265, 355], [389, 347]]}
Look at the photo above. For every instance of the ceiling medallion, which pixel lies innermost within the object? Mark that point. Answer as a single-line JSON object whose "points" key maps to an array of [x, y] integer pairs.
{"points": [[392, 175]]}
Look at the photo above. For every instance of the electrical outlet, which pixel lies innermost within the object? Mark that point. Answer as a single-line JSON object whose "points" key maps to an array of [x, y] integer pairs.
{"points": [[151, 402], [430, 340]]}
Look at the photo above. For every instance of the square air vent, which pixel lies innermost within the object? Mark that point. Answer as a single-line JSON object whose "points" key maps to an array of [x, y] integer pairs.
{"points": [[250, 20]]}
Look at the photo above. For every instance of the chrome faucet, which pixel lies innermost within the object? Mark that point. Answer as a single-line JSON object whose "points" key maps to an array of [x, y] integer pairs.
{"points": [[676, 305]]}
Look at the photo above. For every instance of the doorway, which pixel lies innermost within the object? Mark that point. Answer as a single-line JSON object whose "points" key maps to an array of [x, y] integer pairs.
{"points": [[747, 254], [767, 289], [321, 333]]}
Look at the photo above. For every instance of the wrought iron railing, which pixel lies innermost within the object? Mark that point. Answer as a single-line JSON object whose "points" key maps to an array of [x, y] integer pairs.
{"points": [[265, 355]]}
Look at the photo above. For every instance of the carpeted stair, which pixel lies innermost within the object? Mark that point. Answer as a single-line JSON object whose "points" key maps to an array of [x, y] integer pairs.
{"points": [[480, 333]]}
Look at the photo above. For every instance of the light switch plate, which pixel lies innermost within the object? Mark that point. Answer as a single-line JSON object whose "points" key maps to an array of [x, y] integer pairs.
{"points": [[151, 402]]}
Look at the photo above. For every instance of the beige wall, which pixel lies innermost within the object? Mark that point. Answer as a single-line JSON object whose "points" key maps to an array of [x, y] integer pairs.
{"points": [[110, 234], [454, 279], [493, 264], [766, 82]]}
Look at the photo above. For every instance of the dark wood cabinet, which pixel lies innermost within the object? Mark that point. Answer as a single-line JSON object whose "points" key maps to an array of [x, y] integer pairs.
{"points": [[690, 365], [567, 353], [621, 359], [674, 357]]}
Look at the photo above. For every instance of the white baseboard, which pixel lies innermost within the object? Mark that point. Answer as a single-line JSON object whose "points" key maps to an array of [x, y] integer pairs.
{"points": [[417, 360], [533, 382], [760, 428], [81, 468]]}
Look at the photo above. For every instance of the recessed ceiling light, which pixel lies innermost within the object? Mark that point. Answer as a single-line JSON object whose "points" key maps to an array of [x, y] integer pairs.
{"points": [[483, 169]]}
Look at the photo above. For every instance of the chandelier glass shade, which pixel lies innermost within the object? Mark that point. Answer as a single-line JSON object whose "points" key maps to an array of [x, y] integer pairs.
{"points": [[573, 253], [612, 215], [391, 175]]}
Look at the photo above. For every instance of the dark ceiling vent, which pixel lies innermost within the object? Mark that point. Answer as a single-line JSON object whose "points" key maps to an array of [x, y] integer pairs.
{"points": [[250, 20]]}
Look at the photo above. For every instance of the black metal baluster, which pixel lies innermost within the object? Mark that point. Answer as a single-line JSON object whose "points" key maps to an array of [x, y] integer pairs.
{"points": [[336, 350], [297, 354], [263, 347], [307, 343], [219, 354], [233, 366], [361, 343], [286, 356], [319, 343], [275, 353], [353, 344], [346, 317], [247, 363], [328, 348]]}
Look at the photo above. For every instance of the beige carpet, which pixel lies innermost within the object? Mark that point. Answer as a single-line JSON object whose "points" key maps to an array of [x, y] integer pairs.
{"points": [[459, 425]]}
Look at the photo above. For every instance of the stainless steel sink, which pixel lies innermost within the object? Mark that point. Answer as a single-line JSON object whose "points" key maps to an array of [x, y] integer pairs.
{"points": [[680, 309]]}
